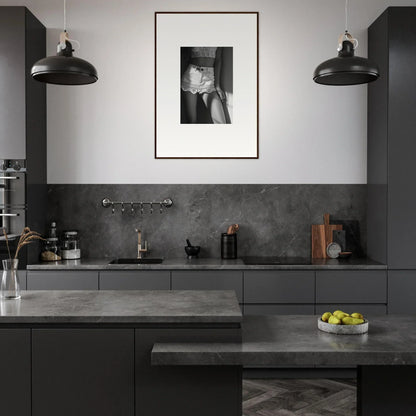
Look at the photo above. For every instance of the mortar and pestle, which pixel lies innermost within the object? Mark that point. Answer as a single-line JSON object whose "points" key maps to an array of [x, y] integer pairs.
{"points": [[192, 251]]}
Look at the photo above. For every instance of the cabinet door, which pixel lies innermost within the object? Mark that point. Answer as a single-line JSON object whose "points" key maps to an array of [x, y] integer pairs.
{"points": [[279, 287], [209, 280], [402, 291], [82, 372], [135, 280], [15, 369], [12, 83], [279, 309], [366, 309], [22, 279], [351, 286], [57, 280], [186, 390]]}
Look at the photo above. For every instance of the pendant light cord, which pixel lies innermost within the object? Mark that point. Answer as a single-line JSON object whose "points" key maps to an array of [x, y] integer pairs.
{"points": [[346, 16], [64, 15]]}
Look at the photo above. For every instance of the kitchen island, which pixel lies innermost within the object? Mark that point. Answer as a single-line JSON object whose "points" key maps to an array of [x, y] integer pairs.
{"points": [[385, 357], [89, 353]]}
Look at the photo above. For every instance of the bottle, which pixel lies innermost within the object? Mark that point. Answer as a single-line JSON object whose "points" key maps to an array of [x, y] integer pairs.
{"points": [[52, 230]]}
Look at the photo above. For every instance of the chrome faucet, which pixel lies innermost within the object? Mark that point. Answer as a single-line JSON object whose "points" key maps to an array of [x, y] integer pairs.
{"points": [[140, 250]]}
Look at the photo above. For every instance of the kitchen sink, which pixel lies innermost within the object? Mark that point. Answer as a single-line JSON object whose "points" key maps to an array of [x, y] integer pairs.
{"points": [[148, 260]]}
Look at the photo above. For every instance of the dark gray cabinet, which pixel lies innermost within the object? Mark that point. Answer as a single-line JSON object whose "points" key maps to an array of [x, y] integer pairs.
{"points": [[279, 292], [195, 390], [23, 118], [82, 372], [135, 280], [391, 216], [22, 279], [279, 287], [62, 280], [22, 100], [350, 286], [402, 291], [209, 280], [364, 308], [15, 383], [279, 309]]}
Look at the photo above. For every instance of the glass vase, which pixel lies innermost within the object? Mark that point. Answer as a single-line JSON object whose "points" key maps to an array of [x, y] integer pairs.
{"points": [[10, 287]]}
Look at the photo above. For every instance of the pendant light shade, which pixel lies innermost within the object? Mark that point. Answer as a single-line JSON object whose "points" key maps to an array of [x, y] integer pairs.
{"points": [[346, 69], [64, 69]]}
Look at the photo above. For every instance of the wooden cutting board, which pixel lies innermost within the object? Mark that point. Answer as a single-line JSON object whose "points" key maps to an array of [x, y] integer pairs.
{"points": [[322, 236]]}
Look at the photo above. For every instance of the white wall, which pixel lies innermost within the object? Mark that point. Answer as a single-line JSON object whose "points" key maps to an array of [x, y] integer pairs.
{"points": [[103, 133]]}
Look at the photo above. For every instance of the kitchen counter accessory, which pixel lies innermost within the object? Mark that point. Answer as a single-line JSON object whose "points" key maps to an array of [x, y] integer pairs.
{"points": [[343, 329], [228, 246], [322, 235], [191, 251], [70, 246]]}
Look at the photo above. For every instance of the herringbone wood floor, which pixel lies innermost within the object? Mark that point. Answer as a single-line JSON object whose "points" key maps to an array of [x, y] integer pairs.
{"points": [[293, 397]]}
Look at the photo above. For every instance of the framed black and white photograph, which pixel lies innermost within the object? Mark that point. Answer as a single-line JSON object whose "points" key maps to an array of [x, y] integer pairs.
{"points": [[206, 85]]}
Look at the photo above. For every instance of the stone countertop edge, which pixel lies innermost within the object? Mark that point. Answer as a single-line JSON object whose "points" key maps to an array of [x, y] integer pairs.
{"points": [[207, 264], [122, 307], [295, 341]]}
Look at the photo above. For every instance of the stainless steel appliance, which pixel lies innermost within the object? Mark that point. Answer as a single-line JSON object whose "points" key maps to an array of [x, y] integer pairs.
{"points": [[22, 203], [13, 196]]}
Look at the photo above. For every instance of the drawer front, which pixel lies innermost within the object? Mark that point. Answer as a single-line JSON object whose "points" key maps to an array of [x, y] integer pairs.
{"points": [[57, 280], [351, 286], [402, 291], [209, 280], [365, 309], [279, 287], [22, 279], [135, 280], [279, 309]]}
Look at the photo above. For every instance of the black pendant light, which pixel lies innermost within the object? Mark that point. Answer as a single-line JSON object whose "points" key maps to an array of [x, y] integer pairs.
{"points": [[346, 69], [64, 68]]}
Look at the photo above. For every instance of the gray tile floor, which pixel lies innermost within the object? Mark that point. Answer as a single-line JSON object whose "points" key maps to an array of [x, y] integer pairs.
{"points": [[294, 397]]}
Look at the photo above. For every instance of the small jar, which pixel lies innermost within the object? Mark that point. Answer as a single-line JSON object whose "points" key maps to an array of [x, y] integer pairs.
{"points": [[70, 249], [50, 250], [228, 246]]}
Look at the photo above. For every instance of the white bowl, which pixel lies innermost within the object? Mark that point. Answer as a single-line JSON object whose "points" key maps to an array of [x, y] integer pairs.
{"points": [[343, 329]]}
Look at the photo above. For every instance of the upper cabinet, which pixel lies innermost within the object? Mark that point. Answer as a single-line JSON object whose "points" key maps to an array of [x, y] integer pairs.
{"points": [[391, 225], [22, 100]]}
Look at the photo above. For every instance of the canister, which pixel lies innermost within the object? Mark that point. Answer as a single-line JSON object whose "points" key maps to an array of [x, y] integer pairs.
{"points": [[228, 246]]}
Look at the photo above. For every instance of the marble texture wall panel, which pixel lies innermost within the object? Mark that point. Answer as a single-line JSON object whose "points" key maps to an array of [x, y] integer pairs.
{"points": [[274, 220]]}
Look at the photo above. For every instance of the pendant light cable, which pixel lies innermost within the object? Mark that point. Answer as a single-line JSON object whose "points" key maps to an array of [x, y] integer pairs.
{"points": [[346, 16], [64, 15]]}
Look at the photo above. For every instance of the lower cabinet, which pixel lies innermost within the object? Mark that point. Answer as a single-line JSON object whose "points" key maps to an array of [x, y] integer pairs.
{"points": [[195, 390], [298, 309], [15, 382], [279, 292], [364, 308], [81, 372], [21, 274], [135, 280], [351, 286], [209, 280], [402, 291], [259, 292], [62, 280]]}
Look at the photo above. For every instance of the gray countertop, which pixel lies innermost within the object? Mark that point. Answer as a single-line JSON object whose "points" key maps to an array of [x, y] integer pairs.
{"points": [[213, 264], [121, 307], [295, 341]]}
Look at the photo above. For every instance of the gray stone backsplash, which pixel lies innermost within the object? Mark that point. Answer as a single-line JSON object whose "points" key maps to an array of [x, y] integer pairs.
{"points": [[275, 220]]}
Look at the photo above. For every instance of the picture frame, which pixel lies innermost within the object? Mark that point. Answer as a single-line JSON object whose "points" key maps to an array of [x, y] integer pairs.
{"points": [[206, 85]]}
